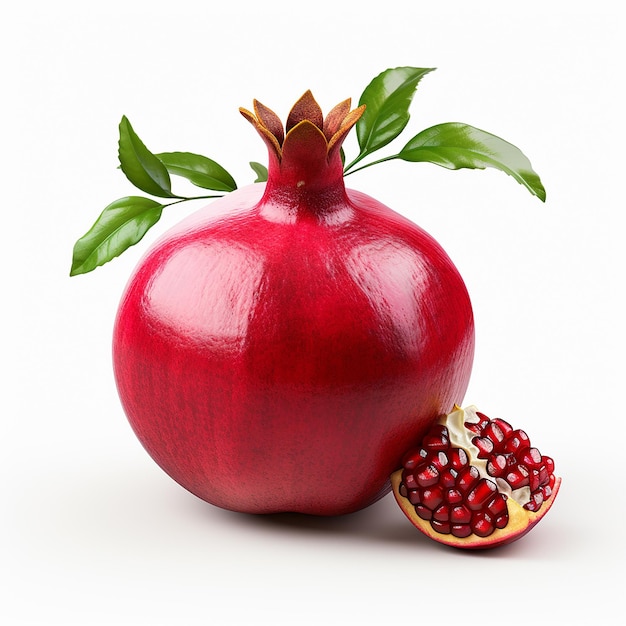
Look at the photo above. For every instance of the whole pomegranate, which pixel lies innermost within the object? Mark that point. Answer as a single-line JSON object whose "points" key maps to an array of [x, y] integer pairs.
{"points": [[280, 349]]}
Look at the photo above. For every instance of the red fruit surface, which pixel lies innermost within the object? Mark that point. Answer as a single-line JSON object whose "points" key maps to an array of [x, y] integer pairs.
{"points": [[279, 349]]}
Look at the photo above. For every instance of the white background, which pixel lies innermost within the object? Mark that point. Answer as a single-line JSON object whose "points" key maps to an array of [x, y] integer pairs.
{"points": [[92, 532]]}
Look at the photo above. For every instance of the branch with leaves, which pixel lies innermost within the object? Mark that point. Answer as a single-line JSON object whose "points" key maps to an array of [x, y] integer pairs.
{"points": [[387, 98]]}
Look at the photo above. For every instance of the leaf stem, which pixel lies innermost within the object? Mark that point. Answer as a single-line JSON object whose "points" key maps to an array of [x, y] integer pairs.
{"points": [[184, 199], [346, 171]]}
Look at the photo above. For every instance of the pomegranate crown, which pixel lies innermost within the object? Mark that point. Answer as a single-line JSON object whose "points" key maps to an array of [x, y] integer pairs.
{"points": [[305, 126]]}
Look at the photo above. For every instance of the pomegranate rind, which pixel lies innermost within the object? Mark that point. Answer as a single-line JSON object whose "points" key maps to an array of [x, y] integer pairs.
{"points": [[521, 521]]}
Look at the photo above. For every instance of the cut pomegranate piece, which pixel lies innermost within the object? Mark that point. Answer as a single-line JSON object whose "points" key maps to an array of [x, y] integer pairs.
{"points": [[475, 482]]}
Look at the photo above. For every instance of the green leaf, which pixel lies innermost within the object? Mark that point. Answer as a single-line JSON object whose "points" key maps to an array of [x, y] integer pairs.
{"points": [[260, 171], [142, 168], [122, 224], [387, 99], [200, 170], [455, 145]]}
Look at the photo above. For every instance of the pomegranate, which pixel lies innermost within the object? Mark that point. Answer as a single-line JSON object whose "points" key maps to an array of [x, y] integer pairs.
{"points": [[475, 482], [278, 349]]}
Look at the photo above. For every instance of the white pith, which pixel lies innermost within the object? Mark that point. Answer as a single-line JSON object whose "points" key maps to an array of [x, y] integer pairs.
{"points": [[461, 437]]}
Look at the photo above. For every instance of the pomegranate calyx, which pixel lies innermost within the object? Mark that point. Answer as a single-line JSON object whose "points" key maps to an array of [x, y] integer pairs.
{"points": [[305, 113], [475, 482]]}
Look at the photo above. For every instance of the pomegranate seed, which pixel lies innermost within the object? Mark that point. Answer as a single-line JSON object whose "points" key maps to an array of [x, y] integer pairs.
{"points": [[518, 440], [453, 496], [503, 425], [535, 480], [440, 461], [461, 530], [484, 445], [549, 464], [497, 465], [433, 442], [484, 420], [535, 502], [441, 527], [423, 512], [518, 477], [432, 497], [441, 513], [411, 460], [497, 505], [467, 478], [474, 428], [408, 478], [502, 521], [458, 458], [426, 475], [482, 524], [460, 515], [531, 458], [480, 494], [448, 478], [414, 496], [494, 432], [547, 491], [403, 490]]}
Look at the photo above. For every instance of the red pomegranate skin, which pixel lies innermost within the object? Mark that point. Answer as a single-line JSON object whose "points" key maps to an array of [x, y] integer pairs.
{"points": [[281, 349]]}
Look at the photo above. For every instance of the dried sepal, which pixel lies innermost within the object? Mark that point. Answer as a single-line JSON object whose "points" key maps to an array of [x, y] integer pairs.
{"points": [[320, 136]]}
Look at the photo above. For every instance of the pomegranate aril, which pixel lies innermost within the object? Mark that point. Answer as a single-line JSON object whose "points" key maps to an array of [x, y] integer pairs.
{"points": [[475, 428], [412, 460], [536, 500], [497, 465], [460, 515], [431, 497], [461, 530], [458, 458], [535, 480], [440, 460], [516, 441], [482, 524], [480, 494], [404, 492], [518, 477], [408, 479], [436, 441], [502, 521], [494, 432], [423, 512], [441, 527], [484, 420], [467, 478], [497, 505], [532, 458], [453, 496], [484, 445], [442, 513], [448, 478], [414, 496], [503, 425], [426, 475], [549, 464]]}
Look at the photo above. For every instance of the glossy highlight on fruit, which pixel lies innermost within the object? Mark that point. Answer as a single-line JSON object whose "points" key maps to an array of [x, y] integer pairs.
{"points": [[277, 350], [475, 482]]}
